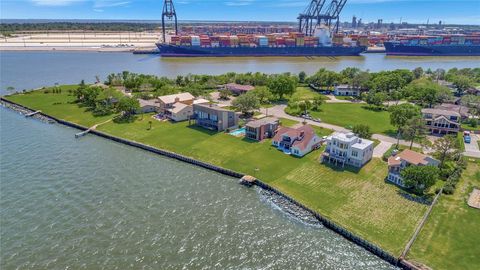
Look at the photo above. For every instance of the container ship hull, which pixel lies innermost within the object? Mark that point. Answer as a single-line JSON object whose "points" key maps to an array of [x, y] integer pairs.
{"points": [[392, 48], [168, 50]]}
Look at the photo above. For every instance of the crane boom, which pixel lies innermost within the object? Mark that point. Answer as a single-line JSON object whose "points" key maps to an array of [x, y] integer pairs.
{"points": [[318, 13]]}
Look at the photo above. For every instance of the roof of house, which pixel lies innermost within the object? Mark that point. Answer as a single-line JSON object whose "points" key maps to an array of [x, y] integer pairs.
{"points": [[211, 106], [238, 87], [441, 112], [144, 102], [463, 110], [345, 86], [200, 101], [362, 144], [262, 122], [173, 98], [342, 136], [308, 135], [178, 107], [409, 156]]}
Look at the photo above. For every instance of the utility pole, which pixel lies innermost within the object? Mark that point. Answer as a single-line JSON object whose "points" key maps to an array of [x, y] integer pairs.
{"points": [[169, 12]]}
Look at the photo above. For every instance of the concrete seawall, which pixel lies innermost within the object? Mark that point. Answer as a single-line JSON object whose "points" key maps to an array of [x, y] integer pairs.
{"points": [[325, 221]]}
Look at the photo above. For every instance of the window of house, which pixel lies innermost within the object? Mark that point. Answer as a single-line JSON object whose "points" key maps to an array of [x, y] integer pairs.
{"points": [[354, 154]]}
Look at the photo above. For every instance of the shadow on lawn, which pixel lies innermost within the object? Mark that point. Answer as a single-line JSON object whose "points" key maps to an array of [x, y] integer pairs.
{"points": [[339, 168], [202, 130], [409, 195]]}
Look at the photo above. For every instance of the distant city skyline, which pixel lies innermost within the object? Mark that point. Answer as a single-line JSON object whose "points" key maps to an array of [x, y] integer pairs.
{"points": [[412, 11]]}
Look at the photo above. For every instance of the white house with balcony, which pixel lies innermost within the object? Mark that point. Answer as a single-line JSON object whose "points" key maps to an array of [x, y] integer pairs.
{"points": [[347, 149]]}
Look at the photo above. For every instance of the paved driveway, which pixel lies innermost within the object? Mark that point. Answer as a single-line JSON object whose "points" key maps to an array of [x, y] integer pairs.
{"points": [[381, 148], [471, 149]]}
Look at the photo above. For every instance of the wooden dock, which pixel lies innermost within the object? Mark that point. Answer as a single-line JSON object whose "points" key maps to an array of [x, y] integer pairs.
{"points": [[32, 113]]}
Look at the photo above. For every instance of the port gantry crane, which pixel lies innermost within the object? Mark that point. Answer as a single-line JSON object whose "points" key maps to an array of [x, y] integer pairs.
{"points": [[169, 13], [318, 13]]}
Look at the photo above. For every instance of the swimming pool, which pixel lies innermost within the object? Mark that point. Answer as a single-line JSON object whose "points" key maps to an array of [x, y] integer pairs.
{"points": [[238, 132]]}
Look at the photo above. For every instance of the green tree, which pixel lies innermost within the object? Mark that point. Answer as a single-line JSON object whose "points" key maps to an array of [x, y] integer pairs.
{"points": [[246, 103], [418, 72], [473, 103], [375, 98], [316, 103], [302, 76], [414, 129], [128, 106], [282, 85], [462, 83], [446, 148], [400, 115], [304, 105], [263, 94], [420, 178], [363, 131], [426, 92]]}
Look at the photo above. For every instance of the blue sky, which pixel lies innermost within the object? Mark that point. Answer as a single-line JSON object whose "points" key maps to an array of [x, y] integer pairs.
{"points": [[415, 11]]}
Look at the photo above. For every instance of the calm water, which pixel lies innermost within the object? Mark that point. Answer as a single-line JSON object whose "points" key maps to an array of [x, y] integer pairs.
{"points": [[91, 203], [25, 70]]}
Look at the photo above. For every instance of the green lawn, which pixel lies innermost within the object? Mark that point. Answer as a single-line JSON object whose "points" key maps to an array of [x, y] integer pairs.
{"points": [[358, 200], [305, 93], [451, 237], [59, 105], [467, 126], [348, 115], [287, 122]]}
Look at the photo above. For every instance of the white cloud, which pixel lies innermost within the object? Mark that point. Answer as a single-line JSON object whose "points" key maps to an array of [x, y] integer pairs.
{"points": [[110, 3], [55, 2], [239, 3]]}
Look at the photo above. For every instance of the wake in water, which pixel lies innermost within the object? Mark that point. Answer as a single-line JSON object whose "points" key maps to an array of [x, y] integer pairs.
{"points": [[286, 207]]}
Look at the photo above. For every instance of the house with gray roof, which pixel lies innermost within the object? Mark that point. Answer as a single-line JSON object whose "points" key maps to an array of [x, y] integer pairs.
{"points": [[441, 122], [211, 116], [262, 128]]}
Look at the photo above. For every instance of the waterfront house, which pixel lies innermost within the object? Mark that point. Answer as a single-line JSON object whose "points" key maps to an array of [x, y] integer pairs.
{"points": [[237, 89], [262, 128], [347, 149], [167, 102], [179, 112], [296, 141], [346, 90], [398, 162], [211, 116], [147, 106], [441, 122]]}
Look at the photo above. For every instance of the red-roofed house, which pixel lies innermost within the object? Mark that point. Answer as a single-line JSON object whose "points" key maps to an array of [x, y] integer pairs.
{"points": [[398, 162], [298, 142]]}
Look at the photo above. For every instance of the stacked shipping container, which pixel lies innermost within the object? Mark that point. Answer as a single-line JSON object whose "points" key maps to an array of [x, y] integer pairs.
{"points": [[292, 39]]}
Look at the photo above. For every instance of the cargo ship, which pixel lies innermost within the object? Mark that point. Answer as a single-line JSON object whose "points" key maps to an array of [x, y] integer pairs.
{"points": [[291, 44], [446, 45]]}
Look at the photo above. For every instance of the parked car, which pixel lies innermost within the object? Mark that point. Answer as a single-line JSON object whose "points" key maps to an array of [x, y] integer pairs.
{"points": [[467, 139], [466, 133]]}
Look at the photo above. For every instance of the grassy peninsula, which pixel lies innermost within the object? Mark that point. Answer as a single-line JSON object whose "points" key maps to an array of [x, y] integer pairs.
{"points": [[359, 200]]}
